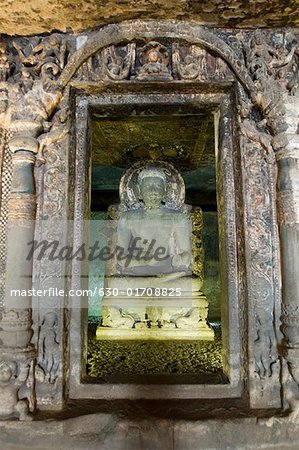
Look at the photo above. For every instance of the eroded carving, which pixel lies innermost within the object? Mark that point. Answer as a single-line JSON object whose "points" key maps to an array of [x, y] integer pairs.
{"points": [[118, 62], [267, 65], [197, 245], [44, 60], [5, 63], [116, 318], [190, 66], [48, 346], [13, 375], [154, 59]]}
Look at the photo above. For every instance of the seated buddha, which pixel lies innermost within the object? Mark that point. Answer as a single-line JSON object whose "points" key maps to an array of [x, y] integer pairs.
{"points": [[151, 232], [156, 239]]}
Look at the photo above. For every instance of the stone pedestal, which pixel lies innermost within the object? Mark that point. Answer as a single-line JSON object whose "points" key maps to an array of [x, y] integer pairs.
{"points": [[148, 308]]}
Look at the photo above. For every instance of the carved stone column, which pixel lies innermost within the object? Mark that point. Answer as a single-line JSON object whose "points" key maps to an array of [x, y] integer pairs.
{"points": [[17, 353], [288, 200]]}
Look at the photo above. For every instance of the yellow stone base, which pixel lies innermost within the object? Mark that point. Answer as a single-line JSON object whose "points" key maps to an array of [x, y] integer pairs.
{"points": [[148, 334]]}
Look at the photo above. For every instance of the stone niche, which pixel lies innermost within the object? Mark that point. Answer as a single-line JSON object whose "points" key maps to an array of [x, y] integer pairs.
{"points": [[125, 87], [150, 91], [180, 126]]}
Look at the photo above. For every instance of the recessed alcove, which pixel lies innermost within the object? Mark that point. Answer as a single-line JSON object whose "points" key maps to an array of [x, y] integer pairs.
{"points": [[115, 132], [185, 138]]}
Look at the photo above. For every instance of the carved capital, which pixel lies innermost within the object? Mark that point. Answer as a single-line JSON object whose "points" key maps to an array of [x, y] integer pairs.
{"points": [[16, 328], [23, 134], [24, 143]]}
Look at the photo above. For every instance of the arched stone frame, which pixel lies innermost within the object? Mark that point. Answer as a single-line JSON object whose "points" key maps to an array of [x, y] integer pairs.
{"points": [[233, 355], [208, 40], [263, 377]]}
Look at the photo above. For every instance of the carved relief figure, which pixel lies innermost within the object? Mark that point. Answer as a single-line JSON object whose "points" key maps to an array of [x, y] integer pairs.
{"points": [[49, 346], [44, 60], [10, 383], [191, 66], [153, 229], [112, 317], [169, 229], [118, 64], [154, 62]]}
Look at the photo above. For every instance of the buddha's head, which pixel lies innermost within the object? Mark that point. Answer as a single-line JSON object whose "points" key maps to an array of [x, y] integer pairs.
{"points": [[152, 186]]}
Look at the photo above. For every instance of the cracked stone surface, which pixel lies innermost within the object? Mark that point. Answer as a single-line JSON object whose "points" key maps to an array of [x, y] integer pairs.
{"points": [[112, 432], [39, 16]]}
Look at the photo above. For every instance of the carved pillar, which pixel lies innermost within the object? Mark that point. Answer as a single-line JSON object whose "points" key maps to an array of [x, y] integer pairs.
{"points": [[288, 208], [288, 200], [17, 353]]}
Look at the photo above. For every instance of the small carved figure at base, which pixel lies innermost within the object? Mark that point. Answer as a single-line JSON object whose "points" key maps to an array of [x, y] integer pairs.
{"points": [[112, 317], [10, 405], [192, 320]]}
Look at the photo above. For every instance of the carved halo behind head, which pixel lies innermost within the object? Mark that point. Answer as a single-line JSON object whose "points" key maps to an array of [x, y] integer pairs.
{"points": [[129, 184]]}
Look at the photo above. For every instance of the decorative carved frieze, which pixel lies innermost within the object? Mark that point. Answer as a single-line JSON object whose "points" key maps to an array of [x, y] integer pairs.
{"points": [[197, 245], [52, 199], [153, 62], [262, 256], [16, 328], [290, 323], [6, 176]]}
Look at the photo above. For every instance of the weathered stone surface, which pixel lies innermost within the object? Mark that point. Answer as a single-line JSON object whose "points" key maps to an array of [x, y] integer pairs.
{"points": [[37, 16], [109, 431]]}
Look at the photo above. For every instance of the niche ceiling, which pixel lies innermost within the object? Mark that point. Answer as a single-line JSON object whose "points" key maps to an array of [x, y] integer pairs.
{"points": [[185, 141], [182, 136]]}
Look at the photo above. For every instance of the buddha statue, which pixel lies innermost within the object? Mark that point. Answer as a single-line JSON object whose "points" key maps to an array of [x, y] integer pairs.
{"points": [[156, 239], [152, 231]]}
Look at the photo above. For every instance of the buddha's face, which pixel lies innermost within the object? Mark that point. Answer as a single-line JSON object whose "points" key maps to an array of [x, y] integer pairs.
{"points": [[153, 56], [152, 190]]}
